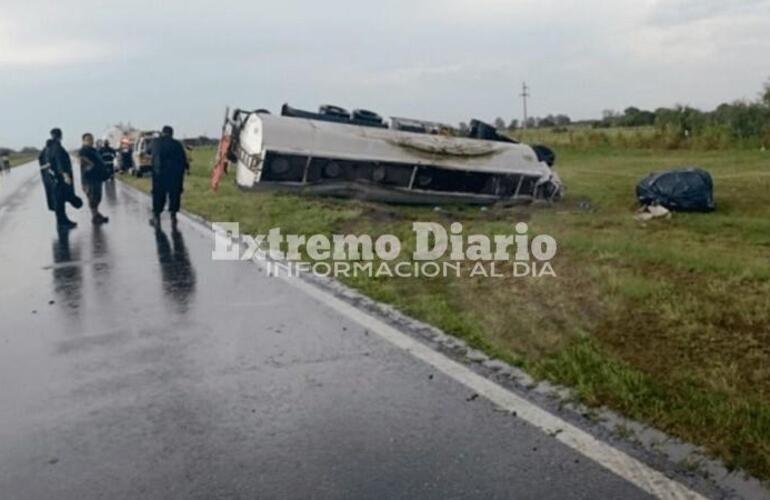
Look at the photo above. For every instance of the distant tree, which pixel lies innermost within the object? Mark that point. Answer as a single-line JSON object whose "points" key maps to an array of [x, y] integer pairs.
{"points": [[646, 118], [635, 117], [724, 107], [531, 122], [609, 118], [744, 120], [499, 123], [766, 93], [514, 124], [631, 111], [681, 120], [463, 128], [29, 150], [562, 120], [200, 141], [548, 121]]}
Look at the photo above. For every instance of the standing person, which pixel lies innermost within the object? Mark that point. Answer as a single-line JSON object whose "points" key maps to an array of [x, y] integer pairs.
{"points": [[169, 164], [125, 157], [108, 157], [56, 170], [6, 161], [93, 173]]}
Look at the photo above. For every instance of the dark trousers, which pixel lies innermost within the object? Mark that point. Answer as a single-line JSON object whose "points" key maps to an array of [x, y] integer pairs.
{"points": [[93, 191], [55, 195], [161, 194], [60, 210]]}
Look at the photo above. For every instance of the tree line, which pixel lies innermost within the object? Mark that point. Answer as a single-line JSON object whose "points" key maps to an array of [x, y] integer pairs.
{"points": [[738, 122], [27, 151]]}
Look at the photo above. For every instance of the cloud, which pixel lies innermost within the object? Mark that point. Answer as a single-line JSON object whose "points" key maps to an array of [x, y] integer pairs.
{"points": [[404, 76], [182, 61], [693, 34], [680, 12], [60, 53], [31, 48]]}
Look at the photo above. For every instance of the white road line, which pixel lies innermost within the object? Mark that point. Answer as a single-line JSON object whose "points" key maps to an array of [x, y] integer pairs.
{"points": [[600, 452], [613, 459]]}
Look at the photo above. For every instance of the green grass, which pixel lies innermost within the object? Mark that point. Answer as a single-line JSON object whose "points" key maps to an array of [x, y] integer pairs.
{"points": [[667, 322], [582, 136], [19, 159], [585, 137]]}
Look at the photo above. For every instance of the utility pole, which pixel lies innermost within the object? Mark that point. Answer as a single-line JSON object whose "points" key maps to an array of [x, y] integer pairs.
{"points": [[524, 95]]}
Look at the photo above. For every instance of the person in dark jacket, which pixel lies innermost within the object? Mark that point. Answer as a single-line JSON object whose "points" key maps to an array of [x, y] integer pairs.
{"points": [[93, 173], [49, 181], [56, 171], [169, 164], [108, 155], [125, 156]]}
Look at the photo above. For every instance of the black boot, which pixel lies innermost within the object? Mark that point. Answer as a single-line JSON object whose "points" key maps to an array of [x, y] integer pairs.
{"points": [[61, 216], [99, 218], [62, 220], [66, 224], [155, 221]]}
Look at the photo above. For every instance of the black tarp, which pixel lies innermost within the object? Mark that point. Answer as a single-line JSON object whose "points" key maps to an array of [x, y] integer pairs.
{"points": [[682, 189]]}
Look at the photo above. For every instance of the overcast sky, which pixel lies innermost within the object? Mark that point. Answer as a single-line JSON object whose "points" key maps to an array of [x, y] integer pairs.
{"points": [[84, 64]]}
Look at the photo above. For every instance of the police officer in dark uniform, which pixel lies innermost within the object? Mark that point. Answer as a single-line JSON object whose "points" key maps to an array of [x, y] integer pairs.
{"points": [[125, 156], [169, 164], [56, 171], [93, 173], [5, 163], [108, 155]]}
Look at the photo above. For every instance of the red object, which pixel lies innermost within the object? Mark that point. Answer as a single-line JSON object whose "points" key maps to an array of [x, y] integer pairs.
{"points": [[220, 167]]}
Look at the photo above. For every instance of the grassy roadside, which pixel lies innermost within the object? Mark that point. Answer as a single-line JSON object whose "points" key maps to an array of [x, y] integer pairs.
{"points": [[667, 322], [645, 137], [17, 159]]}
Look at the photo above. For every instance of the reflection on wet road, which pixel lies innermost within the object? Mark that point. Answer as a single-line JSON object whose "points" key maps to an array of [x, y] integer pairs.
{"points": [[132, 366], [175, 268], [66, 270]]}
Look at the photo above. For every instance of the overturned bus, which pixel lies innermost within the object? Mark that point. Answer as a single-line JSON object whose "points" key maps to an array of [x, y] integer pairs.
{"points": [[336, 153]]}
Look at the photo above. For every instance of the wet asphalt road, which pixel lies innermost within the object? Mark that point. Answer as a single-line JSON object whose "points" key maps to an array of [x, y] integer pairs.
{"points": [[132, 366]]}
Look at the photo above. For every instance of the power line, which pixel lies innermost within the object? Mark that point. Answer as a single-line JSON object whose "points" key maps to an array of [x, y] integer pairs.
{"points": [[524, 94]]}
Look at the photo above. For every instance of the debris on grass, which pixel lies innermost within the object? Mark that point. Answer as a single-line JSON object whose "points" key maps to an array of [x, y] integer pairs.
{"points": [[650, 212], [688, 189]]}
